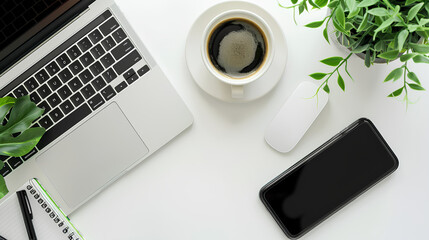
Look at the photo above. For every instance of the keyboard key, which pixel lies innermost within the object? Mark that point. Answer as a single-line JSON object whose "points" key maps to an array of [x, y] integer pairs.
{"points": [[31, 84], [109, 26], [77, 99], [84, 44], [121, 86], [65, 124], [75, 84], [44, 105], [46, 122], [119, 35], [74, 52], [76, 67], [107, 60], [132, 79], [42, 76], [96, 102], [108, 93], [143, 70], [87, 91], [97, 51], [64, 92], [52, 68], [54, 83], [5, 170], [65, 75], [54, 100], [66, 107], [29, 155], [56, 114], [86, 76], [3, 158], [96, 68], [109, 75], [34, 97], [44, 91], [122, 49], [86, 59], [15, 162], [98, 83], [20, 91], [108, 43], [95, 36], [63, 60], [127, 62], [129, 73]]}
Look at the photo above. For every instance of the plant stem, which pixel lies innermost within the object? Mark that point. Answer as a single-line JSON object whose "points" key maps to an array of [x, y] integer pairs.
{"points": [[405, 83], [335, 70]]}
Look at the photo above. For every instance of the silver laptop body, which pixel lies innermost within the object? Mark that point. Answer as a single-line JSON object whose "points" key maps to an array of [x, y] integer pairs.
{"points": [[119, 132]]}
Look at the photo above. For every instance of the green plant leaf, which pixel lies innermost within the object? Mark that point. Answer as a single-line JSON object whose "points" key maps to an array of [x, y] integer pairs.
{"points": [[368, 58], [6, 103], [23, 113], [294, 1], [408, 2], [341, 82], [424, 21], [313, 4], [413, 77], [402, 36], [333, 4], [326, 88], [3, 187], [351, 5], [413, 11], [419, 48], [364, 22], [396, 93], [367, 3], [301, 7], [360, 49], [325, 34], [321, 3], [416, 87], [395, 74], [412, 27], [315, 24], [390, 55], [318, 76], [339, 15], [407, 56], [339, 27], [421, 59], [332, 61], [385, 24], [380, 12]]}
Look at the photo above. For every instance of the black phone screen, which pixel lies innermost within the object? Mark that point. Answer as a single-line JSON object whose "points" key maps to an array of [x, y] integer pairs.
{"points": [[329, 178]]}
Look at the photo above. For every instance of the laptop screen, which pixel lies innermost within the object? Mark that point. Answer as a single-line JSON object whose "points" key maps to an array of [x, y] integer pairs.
{"points": [[20, 20]]}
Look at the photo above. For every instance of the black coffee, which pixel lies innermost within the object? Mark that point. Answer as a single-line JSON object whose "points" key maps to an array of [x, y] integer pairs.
{"points": [[237, 47]]}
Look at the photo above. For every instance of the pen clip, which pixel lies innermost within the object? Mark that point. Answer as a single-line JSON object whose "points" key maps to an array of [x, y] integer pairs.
{"points": [[27, 201]]}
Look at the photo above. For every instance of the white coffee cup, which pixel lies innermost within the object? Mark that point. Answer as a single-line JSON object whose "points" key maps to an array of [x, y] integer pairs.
{"points": [[237, 83]]}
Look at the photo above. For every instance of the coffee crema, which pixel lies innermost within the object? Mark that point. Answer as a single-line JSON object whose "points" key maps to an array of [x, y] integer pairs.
{"points": [[237, 47]]}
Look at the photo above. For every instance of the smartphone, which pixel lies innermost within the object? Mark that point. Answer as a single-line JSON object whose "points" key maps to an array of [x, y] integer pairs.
{"points": [[328, 178]]}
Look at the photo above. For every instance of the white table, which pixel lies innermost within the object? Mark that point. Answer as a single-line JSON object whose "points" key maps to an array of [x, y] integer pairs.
{"points": [[205, 184]]}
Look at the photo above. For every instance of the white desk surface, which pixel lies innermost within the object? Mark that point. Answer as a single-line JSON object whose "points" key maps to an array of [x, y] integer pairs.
{"points": [[205, 184]]}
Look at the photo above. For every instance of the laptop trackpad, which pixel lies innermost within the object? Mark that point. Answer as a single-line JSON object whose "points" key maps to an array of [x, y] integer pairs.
{"points": [[92, 155]]}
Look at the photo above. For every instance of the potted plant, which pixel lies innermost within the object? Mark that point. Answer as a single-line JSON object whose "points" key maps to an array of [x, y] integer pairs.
{"points": [[377, 31], [17, 137]]}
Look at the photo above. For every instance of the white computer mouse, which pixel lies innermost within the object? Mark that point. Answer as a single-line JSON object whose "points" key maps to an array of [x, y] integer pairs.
{"points": [[295, 117]]}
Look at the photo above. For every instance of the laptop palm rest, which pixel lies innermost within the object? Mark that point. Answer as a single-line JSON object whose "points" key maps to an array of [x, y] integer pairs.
{"points": [[94, 154]]}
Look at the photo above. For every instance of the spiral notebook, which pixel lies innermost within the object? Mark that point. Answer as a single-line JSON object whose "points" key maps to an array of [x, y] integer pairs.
{"points": [[48, 219]]}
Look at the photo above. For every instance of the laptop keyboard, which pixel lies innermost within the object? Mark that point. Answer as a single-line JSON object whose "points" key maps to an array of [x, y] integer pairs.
{"points": [[76, 79]]}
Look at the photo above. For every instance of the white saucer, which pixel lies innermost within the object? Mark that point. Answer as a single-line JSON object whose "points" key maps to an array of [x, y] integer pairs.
{"points": [[215, 87]]}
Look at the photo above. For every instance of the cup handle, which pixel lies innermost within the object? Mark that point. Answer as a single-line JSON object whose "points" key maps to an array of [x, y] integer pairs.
{"points": [[237, 91]]}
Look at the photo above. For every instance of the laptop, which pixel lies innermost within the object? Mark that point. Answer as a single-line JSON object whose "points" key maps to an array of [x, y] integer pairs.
{"points": [[108, 105]]}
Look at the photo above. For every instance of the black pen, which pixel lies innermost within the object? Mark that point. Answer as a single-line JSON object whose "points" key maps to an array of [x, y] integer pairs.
{"points": [[2, 238], [27, 214]]}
